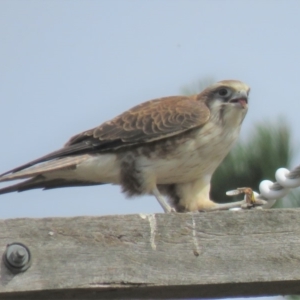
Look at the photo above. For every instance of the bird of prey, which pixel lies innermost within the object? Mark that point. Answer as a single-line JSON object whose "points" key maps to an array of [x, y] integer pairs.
{"points": [[167, 147]]}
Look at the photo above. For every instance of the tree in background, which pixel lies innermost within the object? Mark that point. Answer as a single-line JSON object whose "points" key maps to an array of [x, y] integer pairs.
{"points": [[253, 159]]}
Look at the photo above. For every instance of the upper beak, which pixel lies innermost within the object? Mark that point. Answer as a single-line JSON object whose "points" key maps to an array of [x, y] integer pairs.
{"points": [[240, 97]]}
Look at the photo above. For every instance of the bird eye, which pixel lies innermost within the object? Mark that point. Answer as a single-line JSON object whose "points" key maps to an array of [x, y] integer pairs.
{"points": [[223, 92]]}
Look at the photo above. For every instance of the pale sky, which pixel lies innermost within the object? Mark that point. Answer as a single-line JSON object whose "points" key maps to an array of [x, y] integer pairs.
{"points": [[67, 66]]}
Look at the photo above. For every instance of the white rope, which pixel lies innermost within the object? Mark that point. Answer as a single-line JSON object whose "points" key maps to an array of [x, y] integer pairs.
{"points": [[286, 180]]}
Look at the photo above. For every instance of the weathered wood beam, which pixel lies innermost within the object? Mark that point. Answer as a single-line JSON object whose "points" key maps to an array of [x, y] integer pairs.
{"points": [[217, 254]]}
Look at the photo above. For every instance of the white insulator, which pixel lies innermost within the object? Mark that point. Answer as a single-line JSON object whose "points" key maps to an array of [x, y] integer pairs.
{"points": [[269, 203], [281, 178], [265, 190]]}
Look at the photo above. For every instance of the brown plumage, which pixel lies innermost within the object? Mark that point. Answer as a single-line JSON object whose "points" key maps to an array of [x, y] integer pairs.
{"points": [[167, 146]]}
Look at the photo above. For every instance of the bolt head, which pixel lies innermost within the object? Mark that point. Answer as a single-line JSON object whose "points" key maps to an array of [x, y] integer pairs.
{"points": [[17, 257]]}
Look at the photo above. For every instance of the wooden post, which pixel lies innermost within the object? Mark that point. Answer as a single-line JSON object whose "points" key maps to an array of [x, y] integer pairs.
{"points": [[217, 254]]}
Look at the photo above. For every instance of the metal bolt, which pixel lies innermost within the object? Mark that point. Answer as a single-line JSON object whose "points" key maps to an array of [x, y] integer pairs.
{"points": [[17, 257]]}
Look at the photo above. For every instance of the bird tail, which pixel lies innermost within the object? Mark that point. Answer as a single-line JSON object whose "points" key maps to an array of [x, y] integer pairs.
{"points": [[62, 164], [39, 176], [41, 182]]}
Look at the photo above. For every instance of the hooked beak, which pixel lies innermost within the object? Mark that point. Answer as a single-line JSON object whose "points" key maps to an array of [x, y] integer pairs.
{"points": [[240, 99]]}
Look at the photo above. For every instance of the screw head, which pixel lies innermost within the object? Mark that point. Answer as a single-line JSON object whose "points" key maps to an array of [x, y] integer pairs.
{"points": [[17, 257]]}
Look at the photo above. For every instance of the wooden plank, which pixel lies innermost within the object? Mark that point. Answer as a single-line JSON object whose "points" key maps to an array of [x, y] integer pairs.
{"points": [[217, 254]]}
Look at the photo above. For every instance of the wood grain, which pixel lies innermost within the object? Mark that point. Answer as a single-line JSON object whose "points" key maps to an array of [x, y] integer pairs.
{"points": [[217, 254]]}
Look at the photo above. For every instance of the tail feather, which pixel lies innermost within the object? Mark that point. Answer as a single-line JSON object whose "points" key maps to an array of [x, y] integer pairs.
{"points": [[71, 150], [46, 167], [40, 182]]}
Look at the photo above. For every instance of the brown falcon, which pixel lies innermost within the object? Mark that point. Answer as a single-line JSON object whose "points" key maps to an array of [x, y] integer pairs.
{"points": [[167, 147]]}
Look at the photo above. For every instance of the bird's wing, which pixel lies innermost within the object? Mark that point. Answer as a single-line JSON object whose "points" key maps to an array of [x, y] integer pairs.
{"points": [[150, 121], [147, 122]]}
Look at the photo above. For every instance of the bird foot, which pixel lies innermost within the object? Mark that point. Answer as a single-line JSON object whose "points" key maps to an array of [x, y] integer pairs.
{"points": [[162, 201], [239, 205], [249, 202], [171, 210]]}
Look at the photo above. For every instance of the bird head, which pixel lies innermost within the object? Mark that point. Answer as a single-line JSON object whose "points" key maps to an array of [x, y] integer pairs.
{"points": [[227, 101]]}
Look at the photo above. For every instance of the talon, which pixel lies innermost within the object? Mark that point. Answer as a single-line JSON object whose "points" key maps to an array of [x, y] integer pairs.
{"points": [[249, 196], [170, 210]]}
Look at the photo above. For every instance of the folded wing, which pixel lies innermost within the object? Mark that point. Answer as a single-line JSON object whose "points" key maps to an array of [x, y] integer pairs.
{"points": [[150, 121]]}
